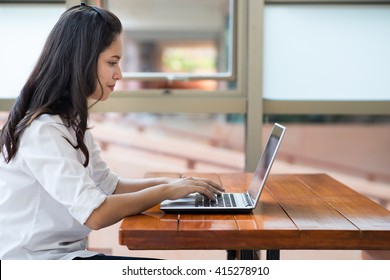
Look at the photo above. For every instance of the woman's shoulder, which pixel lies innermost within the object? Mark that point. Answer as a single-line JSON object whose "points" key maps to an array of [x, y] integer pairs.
{"points": [[46, 130], [47, 122], [50, 119]]}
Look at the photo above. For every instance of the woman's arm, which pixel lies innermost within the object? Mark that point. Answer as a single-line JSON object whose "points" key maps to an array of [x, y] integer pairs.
{"points": [[145, 196], [133, 185]]}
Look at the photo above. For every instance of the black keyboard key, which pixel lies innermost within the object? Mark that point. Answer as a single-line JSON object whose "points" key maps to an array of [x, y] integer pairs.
{"points": [[226, 198], [233, 200], [206, 202], [220, 201], [201, 201], [198, 200]]}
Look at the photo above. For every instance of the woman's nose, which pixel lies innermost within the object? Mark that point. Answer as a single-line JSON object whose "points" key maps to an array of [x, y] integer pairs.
{"points": [[118, 74]]}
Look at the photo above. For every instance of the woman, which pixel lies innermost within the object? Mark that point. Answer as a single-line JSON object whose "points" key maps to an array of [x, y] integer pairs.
{"points": [[54, 187]]}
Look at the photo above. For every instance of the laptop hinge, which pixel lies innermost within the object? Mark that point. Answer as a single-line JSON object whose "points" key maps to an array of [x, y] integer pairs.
{"points": [[248, 200]]}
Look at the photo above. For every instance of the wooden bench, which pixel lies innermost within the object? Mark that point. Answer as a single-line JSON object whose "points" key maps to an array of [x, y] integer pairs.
{"points": [[191, 152], [378, 193]]}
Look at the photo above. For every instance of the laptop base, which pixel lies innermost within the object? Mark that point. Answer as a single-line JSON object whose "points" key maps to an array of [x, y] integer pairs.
{"points": [[204, 210]]}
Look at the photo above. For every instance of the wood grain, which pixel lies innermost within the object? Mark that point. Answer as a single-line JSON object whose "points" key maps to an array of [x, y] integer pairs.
{"points": [[296, 211]]}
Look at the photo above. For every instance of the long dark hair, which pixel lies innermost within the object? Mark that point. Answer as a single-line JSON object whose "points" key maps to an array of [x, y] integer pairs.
{"points": [[64, 76]]}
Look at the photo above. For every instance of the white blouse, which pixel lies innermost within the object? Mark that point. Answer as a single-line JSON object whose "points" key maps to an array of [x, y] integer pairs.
{"points": [[46, 194]]}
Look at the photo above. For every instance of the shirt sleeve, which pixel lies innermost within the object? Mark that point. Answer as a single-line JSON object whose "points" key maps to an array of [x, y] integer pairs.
{"points": [[104, 179], [58, 167]]}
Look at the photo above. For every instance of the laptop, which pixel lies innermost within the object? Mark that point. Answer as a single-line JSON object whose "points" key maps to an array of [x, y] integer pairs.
{"points": [[233, 202]]}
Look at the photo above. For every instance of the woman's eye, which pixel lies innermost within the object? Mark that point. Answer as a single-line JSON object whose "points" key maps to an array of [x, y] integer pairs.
{"points": [[113, 63]]}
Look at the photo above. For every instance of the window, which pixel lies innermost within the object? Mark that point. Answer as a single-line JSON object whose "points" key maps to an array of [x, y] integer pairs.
{"points": [[176, 44], [23, 29], [327, 52]]}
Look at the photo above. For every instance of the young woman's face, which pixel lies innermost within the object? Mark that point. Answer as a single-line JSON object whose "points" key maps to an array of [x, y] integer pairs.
{"points": [[108, 70]]}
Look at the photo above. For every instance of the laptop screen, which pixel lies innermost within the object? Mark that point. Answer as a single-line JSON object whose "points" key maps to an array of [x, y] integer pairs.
{"points": [[264, 166]]}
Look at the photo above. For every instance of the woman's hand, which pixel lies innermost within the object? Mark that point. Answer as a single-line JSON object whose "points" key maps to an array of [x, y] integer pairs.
{"points": [[131, 197], [182, 187]]}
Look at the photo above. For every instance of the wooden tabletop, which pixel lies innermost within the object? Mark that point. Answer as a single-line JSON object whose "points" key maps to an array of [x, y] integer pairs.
{"points": [[296, 211]]}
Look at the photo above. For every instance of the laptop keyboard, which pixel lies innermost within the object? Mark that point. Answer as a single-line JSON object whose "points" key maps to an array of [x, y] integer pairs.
{"points": [[223, 200]]}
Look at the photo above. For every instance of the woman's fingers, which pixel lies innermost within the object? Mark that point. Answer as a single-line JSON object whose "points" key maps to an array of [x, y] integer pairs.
{"points": [[213, 184], [206, 187], [187, 185]]}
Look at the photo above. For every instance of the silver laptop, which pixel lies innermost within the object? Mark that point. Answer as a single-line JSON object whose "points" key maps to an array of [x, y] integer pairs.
{"points": [[233, 202]]}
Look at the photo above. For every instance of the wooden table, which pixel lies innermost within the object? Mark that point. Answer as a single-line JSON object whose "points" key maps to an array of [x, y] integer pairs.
{"points": [[296, 211]]}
